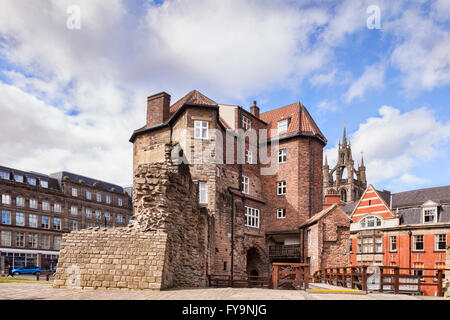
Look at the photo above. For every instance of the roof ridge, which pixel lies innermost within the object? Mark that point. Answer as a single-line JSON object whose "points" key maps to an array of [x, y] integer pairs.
{"points": [[441, 187], [288, 105]]}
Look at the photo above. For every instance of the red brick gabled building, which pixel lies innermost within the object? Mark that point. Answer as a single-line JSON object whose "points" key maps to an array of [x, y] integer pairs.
{"points": [[407, 230], [253, 214]]}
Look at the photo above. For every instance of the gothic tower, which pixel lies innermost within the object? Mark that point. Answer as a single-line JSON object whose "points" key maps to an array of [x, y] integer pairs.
{"points": [[344, 178]]}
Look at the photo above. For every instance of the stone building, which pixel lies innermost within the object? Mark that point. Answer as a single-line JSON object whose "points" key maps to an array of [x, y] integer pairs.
{"points": [[241, 180], [38, 209], [406, 229], [344, 178], [325, 237]]}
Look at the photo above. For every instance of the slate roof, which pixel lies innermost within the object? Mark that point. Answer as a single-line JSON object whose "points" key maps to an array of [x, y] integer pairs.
{"points": [[418, 197], [415, 215], [300, 121], [89, 181], [52, 183], [349, 207]]}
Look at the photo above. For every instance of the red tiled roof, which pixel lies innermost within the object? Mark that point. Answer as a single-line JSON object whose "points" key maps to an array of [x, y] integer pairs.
{"points": [[307, 124], [193, 97]]}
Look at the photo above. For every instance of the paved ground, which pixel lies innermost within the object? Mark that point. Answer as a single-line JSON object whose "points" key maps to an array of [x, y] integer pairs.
{"points": [[41, 291]]}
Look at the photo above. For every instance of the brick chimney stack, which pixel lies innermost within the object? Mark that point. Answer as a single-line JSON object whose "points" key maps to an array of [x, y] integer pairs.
{"points": [[254, 110], [331, 198], [158, 106]]}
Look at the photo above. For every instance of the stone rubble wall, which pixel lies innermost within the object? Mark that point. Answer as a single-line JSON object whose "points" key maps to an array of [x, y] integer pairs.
{"points": [[163, 246]]}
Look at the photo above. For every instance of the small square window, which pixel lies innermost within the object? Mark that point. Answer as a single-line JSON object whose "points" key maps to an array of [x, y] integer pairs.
{"points": [[200, 130], [281, 188], [281, 213], [282, 156]]}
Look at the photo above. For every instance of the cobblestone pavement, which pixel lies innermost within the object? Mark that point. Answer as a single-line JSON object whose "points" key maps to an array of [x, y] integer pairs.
{"points": [[37, 291]]}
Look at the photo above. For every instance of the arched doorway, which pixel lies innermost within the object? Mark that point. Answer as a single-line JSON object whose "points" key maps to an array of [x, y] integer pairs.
{"points": [[255, 266]]}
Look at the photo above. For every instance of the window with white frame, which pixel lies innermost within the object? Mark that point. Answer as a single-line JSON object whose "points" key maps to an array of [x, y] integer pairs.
{"points": [[20, 239], [57, 208], [246, 123], [20, 201], [33, 203], [88, 213], [378, 245], [45, 241], [203, 192], [393, 243], [6, 239], [56, 242], [32, 240], [281, 213], [44, 184], [107, 216], [57, 223], [248, 157], [31, 181], [18, 178], [283, 125], [440, 242], [32, 221], [6, 217], [88, 195], [45, 206], [281, 188], [418, 243], [4, 175], [98, 214], [45, 222], [99, 197], [20, 219], [282, 156], [252, 217], [119, 201], [108, 199], [429, 215], [73, 225], [245, 185], [74, 192], [371, 222], [73, 210], [6, 199], [200, 130]]}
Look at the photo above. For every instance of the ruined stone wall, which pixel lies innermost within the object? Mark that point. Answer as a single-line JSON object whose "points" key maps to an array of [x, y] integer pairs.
{"points": [[163, 246]]}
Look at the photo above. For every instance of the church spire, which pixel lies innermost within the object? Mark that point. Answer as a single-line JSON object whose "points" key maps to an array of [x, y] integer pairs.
{"points": [[344, 140], [362, 159]]}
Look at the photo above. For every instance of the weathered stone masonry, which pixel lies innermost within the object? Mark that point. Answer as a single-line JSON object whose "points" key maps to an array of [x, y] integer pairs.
{"points": [[163, 246]]}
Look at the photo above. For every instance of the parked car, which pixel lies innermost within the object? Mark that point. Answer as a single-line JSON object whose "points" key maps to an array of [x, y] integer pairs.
{"points": [[25, 270]]}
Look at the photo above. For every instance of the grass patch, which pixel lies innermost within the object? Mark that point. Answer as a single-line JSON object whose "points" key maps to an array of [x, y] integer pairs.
{"points": [[21, 280]]}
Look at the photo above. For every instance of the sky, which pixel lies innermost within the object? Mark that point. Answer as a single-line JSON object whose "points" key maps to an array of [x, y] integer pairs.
{"points": [[75, 74]]}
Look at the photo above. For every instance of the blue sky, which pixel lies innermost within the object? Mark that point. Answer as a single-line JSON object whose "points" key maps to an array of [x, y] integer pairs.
{"points": [[72, 97]]}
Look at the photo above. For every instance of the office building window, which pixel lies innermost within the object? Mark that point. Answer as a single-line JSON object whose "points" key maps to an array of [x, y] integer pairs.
{"points": [[18, 178], [108, 199], [32, 240], [252, 217], [119, 218], [20, 201], [73, 225], [45, 222], [57, 208], [88, 195], [6, 199], [107, 216], [32, 221], [99, 197], [44, 184], [119, 201], [6, 217], [73, 210], [56, 242], [45, 206], [88, 213], [281, 188], [98, 214], [31, 181], [57, 223], [20, 239], [6, 238], [74, 192], [20, 219], [4, 175], [33, 203], [45, 241]]}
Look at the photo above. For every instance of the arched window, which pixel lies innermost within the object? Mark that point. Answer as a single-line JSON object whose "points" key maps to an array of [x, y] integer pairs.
{"points": [[371, 222], [343, 195]]}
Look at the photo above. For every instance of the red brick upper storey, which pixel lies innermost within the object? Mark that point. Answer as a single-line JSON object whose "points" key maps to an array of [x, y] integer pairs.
{"points": [[300, 121]]}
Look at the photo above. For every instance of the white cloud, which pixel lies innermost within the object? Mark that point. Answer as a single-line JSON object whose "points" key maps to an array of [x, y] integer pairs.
{"points": [[395, 143], [327, 106], [372, 78], [410, 181]]}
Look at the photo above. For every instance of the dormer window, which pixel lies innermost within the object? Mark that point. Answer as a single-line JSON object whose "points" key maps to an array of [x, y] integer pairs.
{"points": [[18, 178], [429, 215], [31, 181], [283, 125]]}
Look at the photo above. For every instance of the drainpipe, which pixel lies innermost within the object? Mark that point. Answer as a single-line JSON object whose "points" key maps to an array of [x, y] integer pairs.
{"points": [[409, 234], [310, 174], [232, 236]]}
